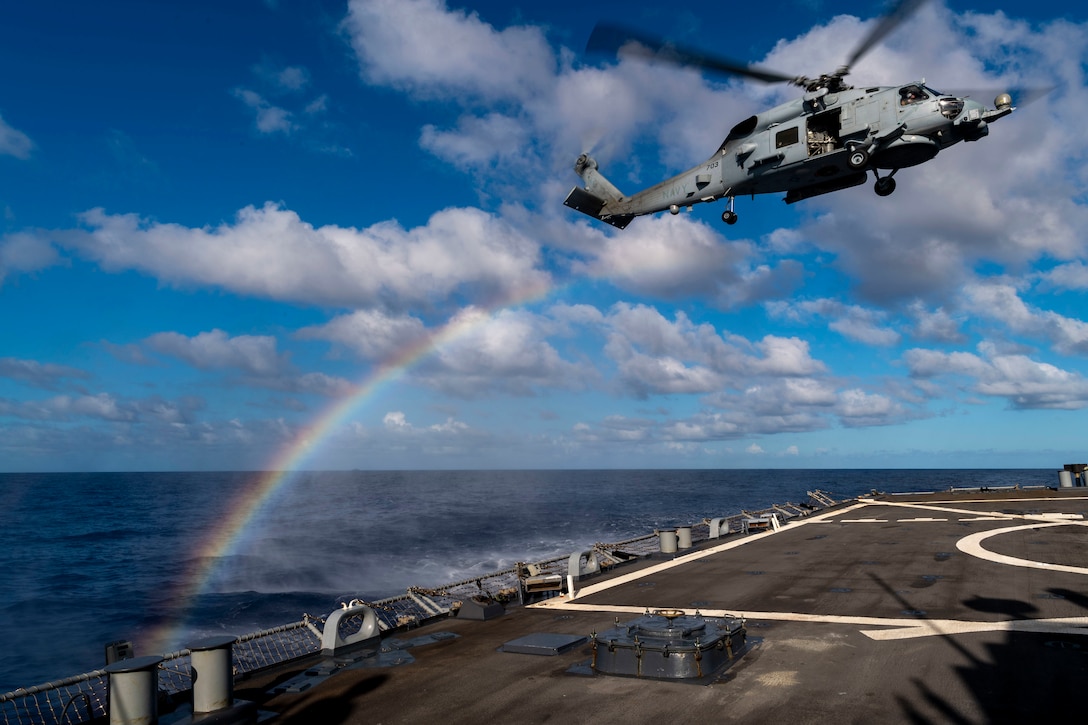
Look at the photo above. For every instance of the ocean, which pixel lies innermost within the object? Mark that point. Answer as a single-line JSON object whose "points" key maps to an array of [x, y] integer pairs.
{"points": [[97, 557]]}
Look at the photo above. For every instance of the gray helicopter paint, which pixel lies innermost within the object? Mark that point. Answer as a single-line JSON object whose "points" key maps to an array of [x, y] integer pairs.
{"points": [[799, 147], [825, 141]]}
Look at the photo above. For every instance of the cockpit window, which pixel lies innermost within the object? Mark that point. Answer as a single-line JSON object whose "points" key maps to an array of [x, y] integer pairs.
{"points": [[912, 94]]}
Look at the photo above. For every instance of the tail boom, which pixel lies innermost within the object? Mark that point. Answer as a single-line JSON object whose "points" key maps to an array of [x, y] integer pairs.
{"points": [[597, 196]]}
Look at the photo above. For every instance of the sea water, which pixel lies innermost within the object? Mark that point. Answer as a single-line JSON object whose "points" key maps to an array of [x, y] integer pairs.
{"points": [[96, 557]]}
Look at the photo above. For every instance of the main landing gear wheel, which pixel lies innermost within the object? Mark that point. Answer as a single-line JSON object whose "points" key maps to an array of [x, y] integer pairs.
{"points": [[729, 217], [858, 158], [884, 186]]}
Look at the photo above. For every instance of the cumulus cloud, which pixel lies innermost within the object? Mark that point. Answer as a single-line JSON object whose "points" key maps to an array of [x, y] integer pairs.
{"points": [[937, 325], [48, 376], [475, 353], [255, 354], [449, 436], [268, 118], [25, 252], [1002, 302], [480, 353], [673, 258], [857, 323], [14, 142], [270, 252], [372, 334], [656, 355], [422, 46], [101, 406], [1024, 383]]}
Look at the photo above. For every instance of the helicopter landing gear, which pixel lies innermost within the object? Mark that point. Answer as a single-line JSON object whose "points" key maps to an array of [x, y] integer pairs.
{"points": [[729, 216], [884, 185], [858, 158]]}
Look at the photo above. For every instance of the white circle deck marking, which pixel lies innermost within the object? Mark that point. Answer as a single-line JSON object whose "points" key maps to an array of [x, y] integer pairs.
{"points": [[973, 545]]}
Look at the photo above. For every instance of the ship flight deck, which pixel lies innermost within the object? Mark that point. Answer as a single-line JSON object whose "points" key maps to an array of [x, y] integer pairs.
{"points": [[964, 607]]}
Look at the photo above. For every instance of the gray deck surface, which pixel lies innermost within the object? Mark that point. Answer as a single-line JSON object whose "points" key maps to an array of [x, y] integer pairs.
{"points": [[866, 614]]}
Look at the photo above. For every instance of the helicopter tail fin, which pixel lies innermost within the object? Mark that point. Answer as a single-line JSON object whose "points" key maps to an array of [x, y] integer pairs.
{"points": [[599, 192]]}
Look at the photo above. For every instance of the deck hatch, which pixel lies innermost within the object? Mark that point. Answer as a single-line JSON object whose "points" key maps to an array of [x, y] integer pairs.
{"points": [[543, 643], [668, 644]]}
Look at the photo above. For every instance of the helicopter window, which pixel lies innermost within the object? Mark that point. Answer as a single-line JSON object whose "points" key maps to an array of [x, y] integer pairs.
{"points": [[786, 138], [911, 94]]}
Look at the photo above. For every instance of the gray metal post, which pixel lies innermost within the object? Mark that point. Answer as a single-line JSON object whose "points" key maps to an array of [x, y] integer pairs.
{"points": [[683, 537], [213, 674], [134, 691], [668, 541]]}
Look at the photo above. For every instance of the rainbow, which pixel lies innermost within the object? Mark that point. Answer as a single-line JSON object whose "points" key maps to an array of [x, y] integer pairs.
{"points": [[225, 537]]}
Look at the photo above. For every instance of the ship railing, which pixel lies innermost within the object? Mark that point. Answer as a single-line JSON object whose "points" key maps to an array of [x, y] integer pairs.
{"points": [[82, 698]]}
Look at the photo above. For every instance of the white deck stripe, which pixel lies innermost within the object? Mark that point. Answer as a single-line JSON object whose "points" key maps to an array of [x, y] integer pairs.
{"points": [[696, 555], [901, 628]]}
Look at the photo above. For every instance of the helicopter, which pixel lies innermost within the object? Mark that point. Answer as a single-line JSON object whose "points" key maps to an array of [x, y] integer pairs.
{"points": [[827, 140]]}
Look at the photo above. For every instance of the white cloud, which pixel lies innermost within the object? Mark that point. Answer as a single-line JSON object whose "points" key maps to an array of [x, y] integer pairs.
{"points": [[480, 353], [477, 140], [1069, 276], [673, 257], [785, 356], [475, 353], [449, 431], [39, 375], [270, 252], [372, 334], [25, 252], [1001, 302], [293, 78], [14, 142], [255, 354], [937, 325], [269, 118], [1023, 382], [859, 408], [101, 406], [422, 46], [654, 354], [857, 323]]}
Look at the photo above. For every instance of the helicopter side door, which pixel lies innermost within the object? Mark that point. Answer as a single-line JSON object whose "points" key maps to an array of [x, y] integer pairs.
{"points": [[862, 117], [777, 146]]}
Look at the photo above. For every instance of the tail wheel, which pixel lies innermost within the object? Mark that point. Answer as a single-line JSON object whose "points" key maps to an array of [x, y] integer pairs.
{"points": [[884, 186]]}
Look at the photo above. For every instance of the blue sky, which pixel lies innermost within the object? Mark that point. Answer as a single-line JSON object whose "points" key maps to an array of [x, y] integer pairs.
{"points": [[221, 221]]}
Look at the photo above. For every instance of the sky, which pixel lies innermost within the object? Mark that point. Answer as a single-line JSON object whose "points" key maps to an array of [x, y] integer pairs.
{"points": [[255, 235]]}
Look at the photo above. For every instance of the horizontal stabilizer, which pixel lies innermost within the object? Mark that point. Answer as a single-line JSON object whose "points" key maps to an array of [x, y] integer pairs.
{"points": [[581, 200]]}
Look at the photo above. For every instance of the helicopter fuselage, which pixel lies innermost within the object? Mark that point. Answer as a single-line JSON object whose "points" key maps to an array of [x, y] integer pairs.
{"points": [[823, 142]]}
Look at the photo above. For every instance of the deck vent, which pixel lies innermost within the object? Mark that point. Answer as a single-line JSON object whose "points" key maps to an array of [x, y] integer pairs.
{"points": [[668, 644]]}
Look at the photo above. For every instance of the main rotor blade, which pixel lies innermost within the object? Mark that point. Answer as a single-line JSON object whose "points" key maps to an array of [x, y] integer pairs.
{"points": [[892, 19], [610, 39]]}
